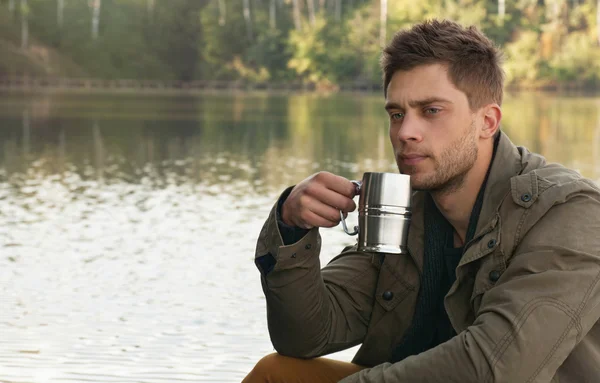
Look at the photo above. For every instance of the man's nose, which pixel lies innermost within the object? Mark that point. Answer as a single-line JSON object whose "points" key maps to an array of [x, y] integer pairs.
{"points": [[411, 129]]}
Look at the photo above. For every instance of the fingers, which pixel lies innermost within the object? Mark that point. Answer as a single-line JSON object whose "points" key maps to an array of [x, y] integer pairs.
{"points": [[328, 215], [332, 199], [337, 184], [310, 212], [318, 200], [315, 220]]}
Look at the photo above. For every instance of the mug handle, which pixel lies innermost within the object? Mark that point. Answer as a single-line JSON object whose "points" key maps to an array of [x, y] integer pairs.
{"points": [[357, 186]]}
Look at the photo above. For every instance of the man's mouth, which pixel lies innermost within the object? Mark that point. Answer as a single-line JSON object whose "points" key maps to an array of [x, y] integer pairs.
{"points": [[412, 158]]}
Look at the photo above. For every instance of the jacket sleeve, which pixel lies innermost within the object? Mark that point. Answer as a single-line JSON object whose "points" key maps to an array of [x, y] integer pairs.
{"points": [[544, 303], [313, 312]]}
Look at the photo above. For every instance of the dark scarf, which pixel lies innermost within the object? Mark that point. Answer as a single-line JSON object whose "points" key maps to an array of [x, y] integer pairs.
{"points": [[427, 329]]}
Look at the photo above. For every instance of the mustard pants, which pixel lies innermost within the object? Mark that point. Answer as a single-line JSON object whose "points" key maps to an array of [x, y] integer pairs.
{"points": [[275, 368]]}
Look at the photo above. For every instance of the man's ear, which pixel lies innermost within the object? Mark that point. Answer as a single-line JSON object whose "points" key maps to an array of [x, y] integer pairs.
{"points": [[492, 114]]}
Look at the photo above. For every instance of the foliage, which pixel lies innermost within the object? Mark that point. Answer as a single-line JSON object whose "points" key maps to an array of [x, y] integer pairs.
{"points": [[525, 62], [546, 43], [321, 53]]}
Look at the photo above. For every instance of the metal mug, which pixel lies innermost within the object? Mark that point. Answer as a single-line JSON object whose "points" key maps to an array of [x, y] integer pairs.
{"points": [[384, 212]]}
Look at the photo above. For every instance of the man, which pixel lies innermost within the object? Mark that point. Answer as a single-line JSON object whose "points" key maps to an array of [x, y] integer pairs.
{"points": [[502, 280]]}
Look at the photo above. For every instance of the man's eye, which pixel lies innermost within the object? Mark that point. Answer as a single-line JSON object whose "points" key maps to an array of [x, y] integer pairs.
{"points": [[432, 110], [397, 116]]}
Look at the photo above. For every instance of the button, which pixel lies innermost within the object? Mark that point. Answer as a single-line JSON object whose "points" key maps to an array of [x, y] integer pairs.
{"points": [[491, 243], [294, 255], [388, 295], [526, 197], [307, 247], [494, 275]]}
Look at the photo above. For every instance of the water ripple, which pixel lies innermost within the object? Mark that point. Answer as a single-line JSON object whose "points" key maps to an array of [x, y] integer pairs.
{"points": [[108, 280]]}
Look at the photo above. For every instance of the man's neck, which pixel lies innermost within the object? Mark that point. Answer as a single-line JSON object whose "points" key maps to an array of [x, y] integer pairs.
{"points": [[457, 205]]}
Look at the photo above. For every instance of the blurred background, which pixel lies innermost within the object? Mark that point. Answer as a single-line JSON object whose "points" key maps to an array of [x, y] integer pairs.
{"points": [[327, 43], [143, 143]]}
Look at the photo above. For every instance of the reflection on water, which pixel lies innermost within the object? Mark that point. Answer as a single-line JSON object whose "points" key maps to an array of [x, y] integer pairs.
{"points": [[128, 225]]}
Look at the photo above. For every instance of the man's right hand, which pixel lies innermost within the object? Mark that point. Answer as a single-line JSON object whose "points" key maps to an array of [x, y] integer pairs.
{"points": [[317, 201]]}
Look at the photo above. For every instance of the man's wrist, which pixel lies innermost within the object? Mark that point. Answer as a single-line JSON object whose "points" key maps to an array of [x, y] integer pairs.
{"points": [[289, 233]]}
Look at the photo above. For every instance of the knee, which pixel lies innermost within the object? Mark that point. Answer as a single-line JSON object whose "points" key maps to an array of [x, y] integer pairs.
{"points": [[269, 368], [268, 365]]}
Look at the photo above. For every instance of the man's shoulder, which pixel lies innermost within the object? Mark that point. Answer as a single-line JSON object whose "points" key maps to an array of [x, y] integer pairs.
{"points": [[550, 184], [548, 204], [555, 176]]}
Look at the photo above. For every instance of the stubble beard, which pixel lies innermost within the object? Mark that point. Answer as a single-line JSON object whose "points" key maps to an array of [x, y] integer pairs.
{"points": [[451, 167]]}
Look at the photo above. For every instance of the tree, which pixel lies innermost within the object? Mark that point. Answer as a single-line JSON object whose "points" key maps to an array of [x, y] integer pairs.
{"points": [[60, 9], [95, 5], [598, 21], [248, 18], [272, 15], [322, 54], [383, 23], [297, 17], [151, 4], [222, 12], [548, 42], [24, 24], [177, 37], [311, 11]]}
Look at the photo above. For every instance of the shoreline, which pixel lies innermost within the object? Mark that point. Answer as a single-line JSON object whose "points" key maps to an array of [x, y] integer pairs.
{"points": [[155, 87]]}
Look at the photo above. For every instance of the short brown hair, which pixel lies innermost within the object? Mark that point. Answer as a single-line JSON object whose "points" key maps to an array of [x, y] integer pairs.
{"points": [[474, 62]]}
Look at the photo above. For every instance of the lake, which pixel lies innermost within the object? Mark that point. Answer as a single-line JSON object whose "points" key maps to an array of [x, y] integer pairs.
{"points": [[128, 223]]}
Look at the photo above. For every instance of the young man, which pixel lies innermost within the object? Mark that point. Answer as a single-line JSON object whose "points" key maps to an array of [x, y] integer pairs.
{"points": [[502, 280]]}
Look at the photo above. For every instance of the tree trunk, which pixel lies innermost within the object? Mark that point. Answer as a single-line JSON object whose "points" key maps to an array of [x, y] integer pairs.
{"points": [[338, 10], [11, 7], [272, 15], [150, 4], [321, 5], [297, 20], [556, 10], [222, 12], [24, 25], [311, 12], [598, 20], [383, 23], [248, 19], [96, 4], [60, 8], [501, 10]]}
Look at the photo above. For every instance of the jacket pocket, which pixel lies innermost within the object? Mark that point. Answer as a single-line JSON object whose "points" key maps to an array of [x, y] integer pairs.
{"points": [[395, 281], [395, 299]]}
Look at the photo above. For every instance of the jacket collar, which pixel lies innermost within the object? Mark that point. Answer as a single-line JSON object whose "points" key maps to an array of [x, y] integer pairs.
{"points": [[508, 162]]}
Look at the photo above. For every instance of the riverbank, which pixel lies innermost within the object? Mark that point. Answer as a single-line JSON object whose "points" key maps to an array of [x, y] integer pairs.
{"points": [[87, 85], [28, 84]]}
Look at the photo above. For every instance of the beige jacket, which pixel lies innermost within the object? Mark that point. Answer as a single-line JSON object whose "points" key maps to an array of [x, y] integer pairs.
{"points": [[525, 304]]}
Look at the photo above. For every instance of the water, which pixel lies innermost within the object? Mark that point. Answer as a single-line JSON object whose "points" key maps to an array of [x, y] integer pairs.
{"points": [[128, 224]]}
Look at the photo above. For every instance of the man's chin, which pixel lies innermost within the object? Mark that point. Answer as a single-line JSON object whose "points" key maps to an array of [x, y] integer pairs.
{"points": [[408, 170], [419, 182]]}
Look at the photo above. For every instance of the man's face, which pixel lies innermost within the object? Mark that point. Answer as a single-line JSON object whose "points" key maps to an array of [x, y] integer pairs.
{"points": [[433, 131]]}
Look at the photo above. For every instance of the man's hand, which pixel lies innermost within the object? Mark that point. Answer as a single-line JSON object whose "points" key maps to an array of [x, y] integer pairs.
{"points": [[317, 201]]}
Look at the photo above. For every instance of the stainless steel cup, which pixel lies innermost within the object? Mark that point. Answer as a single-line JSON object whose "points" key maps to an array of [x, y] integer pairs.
{"points": [[384, 213]]}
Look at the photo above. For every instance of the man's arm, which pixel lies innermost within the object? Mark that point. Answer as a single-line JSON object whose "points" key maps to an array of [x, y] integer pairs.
{"points": [[530, 321], [313, 312]]}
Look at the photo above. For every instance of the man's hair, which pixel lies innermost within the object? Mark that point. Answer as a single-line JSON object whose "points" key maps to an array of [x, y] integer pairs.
{"points": [[473, 61]]}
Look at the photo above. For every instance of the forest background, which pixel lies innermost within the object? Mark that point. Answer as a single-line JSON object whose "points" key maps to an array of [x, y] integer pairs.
{"points": [[547, 43]]}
